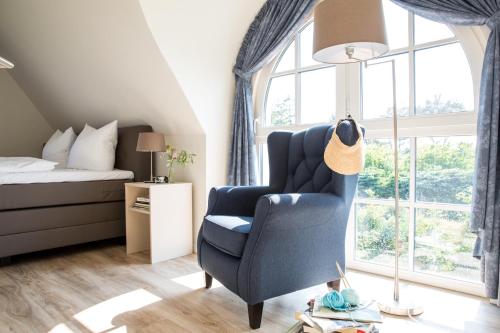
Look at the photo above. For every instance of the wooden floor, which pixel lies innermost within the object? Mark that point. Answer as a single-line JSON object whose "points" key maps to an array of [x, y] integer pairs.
{"points": [[98, 288]]}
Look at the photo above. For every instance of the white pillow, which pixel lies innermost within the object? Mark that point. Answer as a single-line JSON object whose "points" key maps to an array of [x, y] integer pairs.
{"points": [[58, 146], [94, 149], [25, 164]]}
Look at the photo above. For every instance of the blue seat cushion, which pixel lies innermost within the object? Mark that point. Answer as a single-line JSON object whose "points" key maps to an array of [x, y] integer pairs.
{"points": [[227, 233]]}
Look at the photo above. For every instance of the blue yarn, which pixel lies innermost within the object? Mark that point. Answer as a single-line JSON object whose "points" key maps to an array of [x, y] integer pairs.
{"points": [[334, 300], [351, 296]]}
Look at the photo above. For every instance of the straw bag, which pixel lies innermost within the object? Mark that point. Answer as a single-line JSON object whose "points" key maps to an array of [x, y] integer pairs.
{"points": [[343, 159]]}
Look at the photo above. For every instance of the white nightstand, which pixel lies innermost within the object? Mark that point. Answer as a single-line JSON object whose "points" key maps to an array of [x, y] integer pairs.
{"points": [[166, 229]]}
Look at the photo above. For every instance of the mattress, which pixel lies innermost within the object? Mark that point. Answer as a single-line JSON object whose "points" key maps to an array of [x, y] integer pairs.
{"points": [[62, 175], [21, 196]]}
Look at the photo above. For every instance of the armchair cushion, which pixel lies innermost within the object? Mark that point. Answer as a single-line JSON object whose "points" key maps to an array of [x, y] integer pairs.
{"points": [[227, 233]]}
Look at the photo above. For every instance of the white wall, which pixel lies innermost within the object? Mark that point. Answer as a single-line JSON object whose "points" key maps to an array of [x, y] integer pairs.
{"points": [[23, 130], [195, 174], [200, 41], [92, 61]]}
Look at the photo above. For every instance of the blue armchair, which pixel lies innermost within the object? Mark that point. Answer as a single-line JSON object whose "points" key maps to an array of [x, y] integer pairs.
{"points": [[265, 241]]}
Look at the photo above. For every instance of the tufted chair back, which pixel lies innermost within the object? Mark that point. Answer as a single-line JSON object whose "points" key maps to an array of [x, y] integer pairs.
{"points": [[296, 160]]}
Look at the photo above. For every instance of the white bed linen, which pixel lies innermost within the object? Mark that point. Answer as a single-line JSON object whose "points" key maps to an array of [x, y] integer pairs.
{"points": [[63, 175], [25, 164]]}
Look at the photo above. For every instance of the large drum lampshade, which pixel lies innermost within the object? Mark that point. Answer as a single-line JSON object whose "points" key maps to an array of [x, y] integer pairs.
{"points": [[349, 31]]}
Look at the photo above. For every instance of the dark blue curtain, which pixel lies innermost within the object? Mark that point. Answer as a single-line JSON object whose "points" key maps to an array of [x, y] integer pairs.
{"points": [[486, 197], [276, 21]]}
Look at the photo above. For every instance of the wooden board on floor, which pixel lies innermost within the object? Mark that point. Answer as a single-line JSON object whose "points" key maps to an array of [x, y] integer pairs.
{"points": [[98, 288]]}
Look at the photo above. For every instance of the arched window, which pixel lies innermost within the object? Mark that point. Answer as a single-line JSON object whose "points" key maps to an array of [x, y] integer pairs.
{"points": [[437, 84], [299, 84]]}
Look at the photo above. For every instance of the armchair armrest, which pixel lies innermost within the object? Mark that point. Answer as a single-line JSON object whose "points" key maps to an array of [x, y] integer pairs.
{"points": [[235, 200], [294, 243], [297, 210]]}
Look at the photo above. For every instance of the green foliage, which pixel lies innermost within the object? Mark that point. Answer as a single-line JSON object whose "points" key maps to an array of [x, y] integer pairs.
{"points": [[444, 171], [444, 175], [282, 113], [173, 158], [377, 179], [375, 230], [437, 106]]}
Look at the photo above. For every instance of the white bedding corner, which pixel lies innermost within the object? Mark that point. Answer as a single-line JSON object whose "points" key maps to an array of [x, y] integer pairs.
{"points": [[25, 164], [63, 175]]}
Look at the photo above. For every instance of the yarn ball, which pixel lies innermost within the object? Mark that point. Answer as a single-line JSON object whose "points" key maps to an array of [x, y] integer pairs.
{"points": [[351, 296], [333, 300]]}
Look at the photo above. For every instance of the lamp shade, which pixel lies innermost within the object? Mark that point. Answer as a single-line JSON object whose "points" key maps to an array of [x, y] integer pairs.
{"points": [[349, 31], [4, 63], [151, 142]]}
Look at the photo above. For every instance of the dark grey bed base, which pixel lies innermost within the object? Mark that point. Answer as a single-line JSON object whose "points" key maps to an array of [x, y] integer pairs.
{"points": [[36, 217]]}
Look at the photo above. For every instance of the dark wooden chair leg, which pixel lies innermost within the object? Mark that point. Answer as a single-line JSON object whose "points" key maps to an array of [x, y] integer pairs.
{"points": [[334, 285], [255, 315], [5, 261], [208, 280]]}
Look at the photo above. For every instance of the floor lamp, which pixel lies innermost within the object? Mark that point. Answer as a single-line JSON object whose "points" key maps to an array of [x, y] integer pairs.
{"points": [[349, 31]]}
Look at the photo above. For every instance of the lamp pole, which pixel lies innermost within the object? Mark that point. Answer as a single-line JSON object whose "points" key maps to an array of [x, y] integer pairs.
{"points": [[397, 306]]}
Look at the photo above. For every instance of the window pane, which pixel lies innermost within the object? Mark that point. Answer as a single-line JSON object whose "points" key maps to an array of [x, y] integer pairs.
{"points": [[287, 61], [443, 81], [264, 165], [318, 96], [443, 244], [377, 87], [396, 22], [280, 104], [377, 179], [445, 166], [375, 234], [429, 31], [306, 46]]}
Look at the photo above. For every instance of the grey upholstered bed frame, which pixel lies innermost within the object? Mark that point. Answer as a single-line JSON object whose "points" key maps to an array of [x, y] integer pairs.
{"points": [[36, 217]]}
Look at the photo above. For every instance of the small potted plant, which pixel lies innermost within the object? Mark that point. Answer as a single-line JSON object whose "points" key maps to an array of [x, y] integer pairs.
{"points": [[174, 157]]}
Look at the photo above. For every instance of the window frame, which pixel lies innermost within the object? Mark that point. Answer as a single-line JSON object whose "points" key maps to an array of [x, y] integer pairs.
{"points": [[296, 72], [349, 100]]}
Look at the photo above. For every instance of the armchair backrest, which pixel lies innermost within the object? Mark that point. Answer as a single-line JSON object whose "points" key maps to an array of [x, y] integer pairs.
{"points": [[296, 161]]}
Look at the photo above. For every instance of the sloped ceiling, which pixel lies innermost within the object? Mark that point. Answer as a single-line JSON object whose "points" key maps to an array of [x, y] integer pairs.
{"points": [[92, 61], [200, 40]]}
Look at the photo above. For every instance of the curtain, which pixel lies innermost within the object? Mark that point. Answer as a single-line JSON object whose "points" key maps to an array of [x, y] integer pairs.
{"points": [[485, 221], [275, 23]]}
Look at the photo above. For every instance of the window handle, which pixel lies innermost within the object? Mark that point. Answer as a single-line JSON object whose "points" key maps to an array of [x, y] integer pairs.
{"points": [[255, 124]]}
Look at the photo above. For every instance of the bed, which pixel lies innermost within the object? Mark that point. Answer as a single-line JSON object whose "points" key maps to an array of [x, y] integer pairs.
{"points": [[65, 207]]}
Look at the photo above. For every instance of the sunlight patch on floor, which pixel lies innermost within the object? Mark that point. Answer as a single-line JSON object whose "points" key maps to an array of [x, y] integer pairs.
{"points": [[61, 328], [99, 318], [195, 281]]}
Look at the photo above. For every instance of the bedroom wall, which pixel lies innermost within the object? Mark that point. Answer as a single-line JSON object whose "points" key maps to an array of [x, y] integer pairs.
{"points": [[95, 61], [200, 41], [164, 62], [23, 129], [92, 61]]}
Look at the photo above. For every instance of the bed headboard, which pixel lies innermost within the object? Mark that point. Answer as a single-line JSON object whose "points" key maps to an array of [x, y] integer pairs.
{"points": [[127, 158]]}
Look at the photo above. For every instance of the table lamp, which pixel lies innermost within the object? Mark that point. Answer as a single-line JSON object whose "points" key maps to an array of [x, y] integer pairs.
{"points": [[151, 142]]}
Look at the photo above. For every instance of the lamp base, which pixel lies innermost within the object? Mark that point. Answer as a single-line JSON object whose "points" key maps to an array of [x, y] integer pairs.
{"points": [[404, 307]]}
